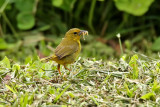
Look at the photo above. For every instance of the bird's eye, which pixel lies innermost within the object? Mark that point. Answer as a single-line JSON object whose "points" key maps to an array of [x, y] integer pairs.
{"points": [[75, 32]]}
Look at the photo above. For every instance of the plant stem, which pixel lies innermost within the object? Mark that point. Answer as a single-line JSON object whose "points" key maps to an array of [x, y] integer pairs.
{"points": [[1, 32], [10, 25], [3, 6], [91, 15], [120, 43], [35, 7]]}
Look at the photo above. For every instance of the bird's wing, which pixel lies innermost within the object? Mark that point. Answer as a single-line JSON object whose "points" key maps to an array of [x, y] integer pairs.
{"points": [[66, 47]]}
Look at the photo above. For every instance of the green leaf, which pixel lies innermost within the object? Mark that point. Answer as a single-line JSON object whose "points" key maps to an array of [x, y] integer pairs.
{"points": [[8, 87], [134, 7], [129, 92], [5, 63], [25, 20], [134, 58], [25, 102], [28, 60], [94, 100], [16, 67], [57, 3], [57, 97], [1, 2], [156, 45], [3, 44], [24, 5], [51, 90], [66, 5], [148, 96], [71, 95], [134, 65], [155, 87]]}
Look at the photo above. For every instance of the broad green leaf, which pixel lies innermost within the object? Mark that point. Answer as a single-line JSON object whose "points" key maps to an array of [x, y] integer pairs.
{"points": [[3, 44], [66, 5], [156, 45], [148, 96], [134, 7], [57, 3], [1, 3], [5, 63], [25, 20], [24, 5]]}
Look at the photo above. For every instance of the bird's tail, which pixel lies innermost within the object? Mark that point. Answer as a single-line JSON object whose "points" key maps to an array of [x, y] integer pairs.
{"points": [[47, 59]]}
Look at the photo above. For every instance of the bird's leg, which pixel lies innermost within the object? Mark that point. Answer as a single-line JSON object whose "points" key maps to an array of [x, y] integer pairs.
{"points": [[66, 68], [58, 66]]}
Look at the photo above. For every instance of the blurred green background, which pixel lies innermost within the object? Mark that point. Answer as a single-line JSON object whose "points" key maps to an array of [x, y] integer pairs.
{"points": [[31, 28]]}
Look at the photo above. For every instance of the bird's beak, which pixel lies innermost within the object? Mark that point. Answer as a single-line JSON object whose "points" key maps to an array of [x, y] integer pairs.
{"points": [[83, 32]]}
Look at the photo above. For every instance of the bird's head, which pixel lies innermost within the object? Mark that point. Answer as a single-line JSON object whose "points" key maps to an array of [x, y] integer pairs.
{"points": [[75, 33]]}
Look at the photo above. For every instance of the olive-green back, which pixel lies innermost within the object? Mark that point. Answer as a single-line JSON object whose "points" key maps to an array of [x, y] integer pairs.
{"points": [[66, 47]]}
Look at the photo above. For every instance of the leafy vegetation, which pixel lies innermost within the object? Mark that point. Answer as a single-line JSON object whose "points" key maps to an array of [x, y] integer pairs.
{"points": [[110, 71], [130, 81]]}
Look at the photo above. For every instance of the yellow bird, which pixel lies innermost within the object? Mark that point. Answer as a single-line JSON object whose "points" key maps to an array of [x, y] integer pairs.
{"points": [[69, 48]]}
